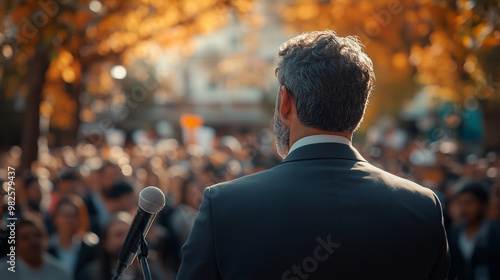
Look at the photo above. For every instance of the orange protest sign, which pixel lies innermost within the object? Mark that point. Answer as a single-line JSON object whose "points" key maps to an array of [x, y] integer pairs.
{"points": [[191, 121]]}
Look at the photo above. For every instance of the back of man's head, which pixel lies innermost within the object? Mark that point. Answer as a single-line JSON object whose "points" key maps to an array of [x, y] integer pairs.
{"points": [[329, 78]]}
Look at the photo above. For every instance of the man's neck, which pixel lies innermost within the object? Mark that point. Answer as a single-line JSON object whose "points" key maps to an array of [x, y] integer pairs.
{"points": [[304, 131]]}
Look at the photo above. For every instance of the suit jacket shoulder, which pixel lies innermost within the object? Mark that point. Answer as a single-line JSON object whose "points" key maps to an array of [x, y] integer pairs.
{"points": [[323, 213]]}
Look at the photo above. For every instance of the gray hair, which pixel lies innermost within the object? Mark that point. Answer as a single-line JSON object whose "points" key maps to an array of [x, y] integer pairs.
{"points": [[329, 77]]}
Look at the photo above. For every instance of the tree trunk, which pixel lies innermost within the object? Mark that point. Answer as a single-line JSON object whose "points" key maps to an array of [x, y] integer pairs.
{"points": [[76, 89], [37, 68]]}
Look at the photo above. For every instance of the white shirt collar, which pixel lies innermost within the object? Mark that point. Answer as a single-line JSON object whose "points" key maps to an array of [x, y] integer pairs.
{"points": [[319, 138]]}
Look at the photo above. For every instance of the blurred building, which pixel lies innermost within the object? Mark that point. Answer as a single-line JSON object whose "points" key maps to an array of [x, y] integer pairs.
{"points": [[227, 77]]}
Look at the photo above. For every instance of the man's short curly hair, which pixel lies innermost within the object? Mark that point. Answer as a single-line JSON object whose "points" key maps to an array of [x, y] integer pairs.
{"points": [[329, 77]]}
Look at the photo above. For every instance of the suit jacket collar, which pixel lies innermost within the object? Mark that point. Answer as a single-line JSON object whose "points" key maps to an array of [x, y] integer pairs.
{"points": [[324, 151]]}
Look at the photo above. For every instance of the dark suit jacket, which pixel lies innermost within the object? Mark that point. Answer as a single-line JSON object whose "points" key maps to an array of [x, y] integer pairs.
{"points": [[485, 260], [323, 213]]}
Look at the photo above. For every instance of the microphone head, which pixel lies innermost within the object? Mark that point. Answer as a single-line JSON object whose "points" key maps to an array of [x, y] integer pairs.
{"points": [[151, 199]]}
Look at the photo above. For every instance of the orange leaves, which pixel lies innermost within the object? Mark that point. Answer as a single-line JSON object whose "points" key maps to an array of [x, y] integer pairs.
{"points": [[58, 105], [65, 18], [46, 109], [81, 18], [64, 58], [242, 6], [301, 11], [99, 80], [476, 23], [86, 35], [307, 10], [435, 63], [133, 22], [208, 21], [62, 67], [400, 60], [492, 41], [87, 115], [481, 31], [192, 7], [19, 12], [419, 42]]}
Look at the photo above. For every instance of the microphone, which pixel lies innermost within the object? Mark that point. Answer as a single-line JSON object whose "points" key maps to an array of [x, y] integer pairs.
{"points": [[151, 201]]}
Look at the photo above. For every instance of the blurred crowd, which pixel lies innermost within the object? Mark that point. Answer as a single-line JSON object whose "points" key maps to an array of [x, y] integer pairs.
{"points": [[76, 204], [466, 179]]}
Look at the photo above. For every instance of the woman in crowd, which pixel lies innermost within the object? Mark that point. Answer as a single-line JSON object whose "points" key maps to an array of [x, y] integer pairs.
{"points": [[72, 243]]}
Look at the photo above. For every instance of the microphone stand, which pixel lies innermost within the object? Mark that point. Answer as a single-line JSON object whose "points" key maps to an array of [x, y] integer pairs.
{"points": [[142, 255]]}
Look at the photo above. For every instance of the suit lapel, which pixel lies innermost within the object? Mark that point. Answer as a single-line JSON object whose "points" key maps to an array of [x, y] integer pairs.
{"points": [[324, 151]]}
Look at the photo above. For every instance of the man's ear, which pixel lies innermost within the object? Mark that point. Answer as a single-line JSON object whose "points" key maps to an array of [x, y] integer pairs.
{"points": [[286, 103]]}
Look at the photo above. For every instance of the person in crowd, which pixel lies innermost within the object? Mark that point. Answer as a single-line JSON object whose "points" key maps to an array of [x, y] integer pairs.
{"points": [[67, 183], [4, 231], [475, 242], [95, 201], [109, 174], [182, 218], [72, 243], [33, 194], [121, 197], [32, 260], [113, 235], [151, 180], [170, 244], [33, 201], [494, 211]]}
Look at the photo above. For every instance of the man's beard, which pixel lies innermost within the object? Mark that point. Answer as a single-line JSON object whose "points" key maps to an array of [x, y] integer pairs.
{"points": [[282, 135]]}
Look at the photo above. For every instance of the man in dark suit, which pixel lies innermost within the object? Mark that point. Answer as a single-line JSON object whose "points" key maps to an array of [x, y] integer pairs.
{"points": [[324, 212]]}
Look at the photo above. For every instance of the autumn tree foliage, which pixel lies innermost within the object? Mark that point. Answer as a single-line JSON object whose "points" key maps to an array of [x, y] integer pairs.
{"points": [[49, 50], [450, 47]]}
